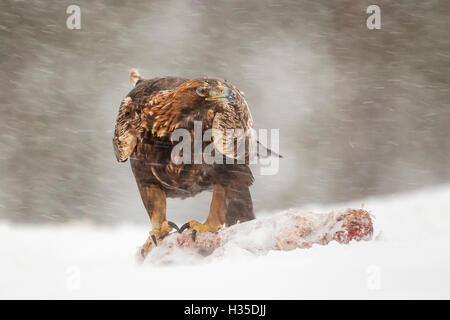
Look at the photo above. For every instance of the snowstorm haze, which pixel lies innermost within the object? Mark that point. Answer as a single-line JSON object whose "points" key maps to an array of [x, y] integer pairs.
{"points": [[361, 112]]}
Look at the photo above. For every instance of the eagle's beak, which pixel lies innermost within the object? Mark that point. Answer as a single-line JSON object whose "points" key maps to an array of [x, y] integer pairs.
{"points": [[224, 94]]}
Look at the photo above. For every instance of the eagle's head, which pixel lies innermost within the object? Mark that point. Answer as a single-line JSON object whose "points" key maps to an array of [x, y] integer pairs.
{"points": [[206, 91], [216, 91]]}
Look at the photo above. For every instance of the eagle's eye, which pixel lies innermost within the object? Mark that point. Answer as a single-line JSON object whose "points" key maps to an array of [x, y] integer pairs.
{"points": [[202, 91]]}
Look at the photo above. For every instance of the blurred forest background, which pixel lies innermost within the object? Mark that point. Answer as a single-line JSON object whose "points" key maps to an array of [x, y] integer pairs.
{"points": [[361, 112]]}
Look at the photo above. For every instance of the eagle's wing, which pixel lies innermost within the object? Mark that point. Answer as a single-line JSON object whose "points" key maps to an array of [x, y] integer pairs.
{"points": [[126, 131], [243, 142], [130, 121], [232, 129]]}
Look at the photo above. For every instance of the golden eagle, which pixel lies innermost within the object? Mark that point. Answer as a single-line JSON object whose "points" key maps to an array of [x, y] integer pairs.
{"points": [[148, 116]]}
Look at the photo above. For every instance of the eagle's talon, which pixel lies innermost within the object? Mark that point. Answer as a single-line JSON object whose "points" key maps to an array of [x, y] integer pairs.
{"points": [[198, 227], [184, 227], [174, 225], [155, 235], [154, 240]]}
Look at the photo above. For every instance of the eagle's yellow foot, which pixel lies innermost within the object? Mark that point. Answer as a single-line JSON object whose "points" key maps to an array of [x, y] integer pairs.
{"points": [[198, 227], [158, 234]]}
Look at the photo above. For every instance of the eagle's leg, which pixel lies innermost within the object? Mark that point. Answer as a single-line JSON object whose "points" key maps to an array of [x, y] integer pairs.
{"points": [[154, 199], [217, 214]]}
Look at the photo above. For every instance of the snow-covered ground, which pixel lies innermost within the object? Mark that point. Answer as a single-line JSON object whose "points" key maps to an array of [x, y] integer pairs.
{"points": [[409, 258]]}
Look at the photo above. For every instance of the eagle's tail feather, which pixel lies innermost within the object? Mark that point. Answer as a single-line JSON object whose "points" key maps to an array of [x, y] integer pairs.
{"points": [[240, 206], [264, 152], [135, 76]]}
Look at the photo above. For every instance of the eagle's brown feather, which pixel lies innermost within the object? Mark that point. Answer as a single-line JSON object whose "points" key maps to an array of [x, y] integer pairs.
{"points": [[126, 131]]}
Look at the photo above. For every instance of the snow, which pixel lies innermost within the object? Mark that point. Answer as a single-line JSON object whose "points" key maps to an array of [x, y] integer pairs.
{"points": [[409, 258]]}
